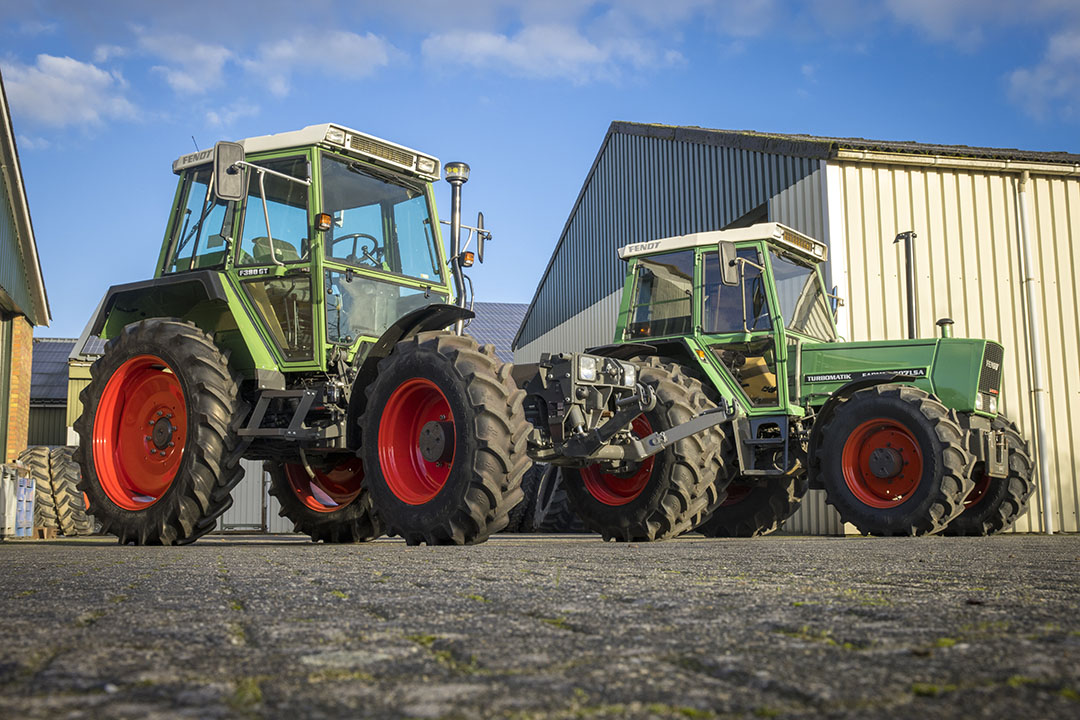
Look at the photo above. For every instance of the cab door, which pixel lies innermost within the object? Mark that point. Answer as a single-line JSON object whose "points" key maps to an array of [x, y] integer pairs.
{"points": [[738, 328]]}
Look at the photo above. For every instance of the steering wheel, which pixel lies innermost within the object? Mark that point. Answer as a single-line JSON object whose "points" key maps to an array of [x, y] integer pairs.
{"points": [[372, 255]]}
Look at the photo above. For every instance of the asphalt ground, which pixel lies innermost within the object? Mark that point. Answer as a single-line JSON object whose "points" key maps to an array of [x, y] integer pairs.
{"points": [[543, 627]]}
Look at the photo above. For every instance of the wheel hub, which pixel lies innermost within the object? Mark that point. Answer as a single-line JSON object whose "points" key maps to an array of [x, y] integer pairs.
{"points": [[436, 441], [886, 462], [163, 432]]}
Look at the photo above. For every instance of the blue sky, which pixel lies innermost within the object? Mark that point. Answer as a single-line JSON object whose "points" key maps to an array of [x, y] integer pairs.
{"points": [[106, 95]]}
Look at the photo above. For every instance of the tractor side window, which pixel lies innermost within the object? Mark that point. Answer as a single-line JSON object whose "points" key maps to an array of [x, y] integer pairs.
{"points": [[201, 228], [380, 221], [724, 307], [803, 304], [285, 306], [662, 293], [358, 305], [287, 208]]}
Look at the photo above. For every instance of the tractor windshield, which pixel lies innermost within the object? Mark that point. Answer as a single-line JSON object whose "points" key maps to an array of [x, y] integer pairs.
{"points": [[663, 290], [380, 221], [803, 304]]}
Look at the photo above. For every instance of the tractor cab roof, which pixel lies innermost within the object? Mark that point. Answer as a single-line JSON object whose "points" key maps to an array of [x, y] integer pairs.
{"points": [[771, 232], [336, 137]]}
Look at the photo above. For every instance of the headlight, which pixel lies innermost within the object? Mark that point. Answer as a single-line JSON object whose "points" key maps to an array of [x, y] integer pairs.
{"points": [[425, 165], [993, 405], [586, 368], [978, 401], [629, 375], [335, 135]]}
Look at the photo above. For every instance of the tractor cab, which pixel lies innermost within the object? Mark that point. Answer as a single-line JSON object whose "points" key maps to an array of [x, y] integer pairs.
{"points": [[327, 236], [741, 302]]}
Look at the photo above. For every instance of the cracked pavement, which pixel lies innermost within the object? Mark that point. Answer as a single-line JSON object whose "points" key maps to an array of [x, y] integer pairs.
{"points": [[527, 627]]}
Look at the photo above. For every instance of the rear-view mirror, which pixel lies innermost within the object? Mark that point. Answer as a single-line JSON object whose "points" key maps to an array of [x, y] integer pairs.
{"points": [[480, 236], [228, 176], [729, 269]]}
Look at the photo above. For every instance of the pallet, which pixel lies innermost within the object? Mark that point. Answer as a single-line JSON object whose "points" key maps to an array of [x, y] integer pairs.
{"points": [[44, 533]]}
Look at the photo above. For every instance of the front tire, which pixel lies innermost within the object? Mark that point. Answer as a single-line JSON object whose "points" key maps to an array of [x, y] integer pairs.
{"points": [[894, 461], [444, 436], [70, 501], [158, 447], [995, 503], [667, 494], [330, 504]]}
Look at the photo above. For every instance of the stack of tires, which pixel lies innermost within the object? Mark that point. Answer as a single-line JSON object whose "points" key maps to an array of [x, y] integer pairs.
{"points": [[58, 502]]}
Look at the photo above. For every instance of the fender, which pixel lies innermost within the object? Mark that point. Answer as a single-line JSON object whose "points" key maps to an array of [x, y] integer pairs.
{"points": [[199, 285], [430, 317]]}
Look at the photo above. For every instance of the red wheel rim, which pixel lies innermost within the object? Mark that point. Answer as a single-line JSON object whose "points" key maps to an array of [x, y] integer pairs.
{"points": [[411, 477], [978, 492], [329, 490], [619, 489], [882, 435], [140, 430], [736, 494]]}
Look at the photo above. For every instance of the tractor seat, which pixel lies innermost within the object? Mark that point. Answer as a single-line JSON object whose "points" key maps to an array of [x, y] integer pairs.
{"points": [[284, 251]]}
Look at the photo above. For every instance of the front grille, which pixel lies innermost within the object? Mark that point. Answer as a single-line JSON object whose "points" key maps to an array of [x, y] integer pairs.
{"points": [[376, 149], [990, 377]]}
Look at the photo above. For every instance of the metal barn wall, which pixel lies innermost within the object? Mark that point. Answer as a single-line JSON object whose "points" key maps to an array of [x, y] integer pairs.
{"points": [[968, 267], [643, 188], [46, 426]]}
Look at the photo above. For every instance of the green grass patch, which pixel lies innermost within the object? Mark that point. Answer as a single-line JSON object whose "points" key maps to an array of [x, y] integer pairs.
{"points": [[247, 694], [339, 594], [931, 690], [945, 642], [557, 622]]}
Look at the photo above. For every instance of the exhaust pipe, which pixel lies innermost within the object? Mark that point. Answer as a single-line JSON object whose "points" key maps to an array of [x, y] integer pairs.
{"points": [[457, 174], [908, 237]]}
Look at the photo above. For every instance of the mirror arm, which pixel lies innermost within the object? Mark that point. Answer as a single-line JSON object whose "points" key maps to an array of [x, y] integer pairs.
{"points": [[266, 215]]}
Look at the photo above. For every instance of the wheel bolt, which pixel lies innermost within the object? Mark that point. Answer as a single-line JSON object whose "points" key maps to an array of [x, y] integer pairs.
{"points": [[442, 417], [160, 413], [148, 438], [171, 444]]}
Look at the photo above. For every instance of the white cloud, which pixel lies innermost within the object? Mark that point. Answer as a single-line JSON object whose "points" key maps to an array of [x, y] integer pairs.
{"points": [[27, 142], [228, 115], [104, 53], [61, 92], [36, 27], [337, 53], [546, 51], [191, 67], [1053, 82]]}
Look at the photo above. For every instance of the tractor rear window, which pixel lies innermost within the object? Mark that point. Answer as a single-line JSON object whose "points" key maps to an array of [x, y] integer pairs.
{"points": [[379, 221], [802, 298], [663, 290]]}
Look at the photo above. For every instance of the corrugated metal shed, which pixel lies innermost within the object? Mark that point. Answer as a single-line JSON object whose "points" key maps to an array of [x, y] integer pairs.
{"points": [[968, 267], [651, 181]]}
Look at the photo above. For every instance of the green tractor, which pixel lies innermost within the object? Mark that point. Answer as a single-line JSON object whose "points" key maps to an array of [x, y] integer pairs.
{"points": [[903, 436], [297, 315]]}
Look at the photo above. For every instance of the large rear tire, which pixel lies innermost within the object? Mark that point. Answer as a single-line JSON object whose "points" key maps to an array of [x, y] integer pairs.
{"points": [[36, 460], [333, 506], [158, 445], [70, 501], [894, 461], [664, 495], [444, 436], [995, 503], [754, 509]]}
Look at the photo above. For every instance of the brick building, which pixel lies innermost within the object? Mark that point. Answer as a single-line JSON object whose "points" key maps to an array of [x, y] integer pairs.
{"points": [[23, 303]]}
